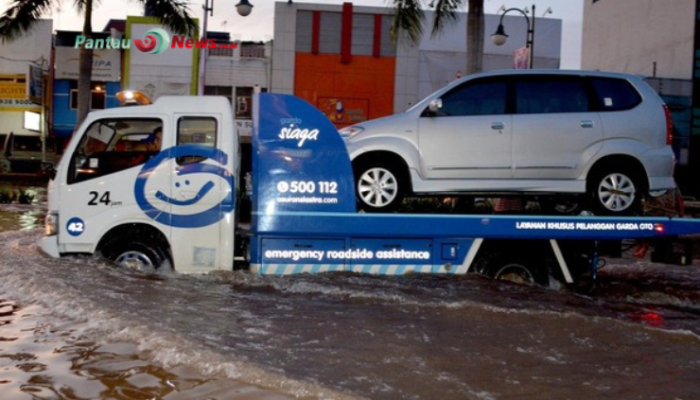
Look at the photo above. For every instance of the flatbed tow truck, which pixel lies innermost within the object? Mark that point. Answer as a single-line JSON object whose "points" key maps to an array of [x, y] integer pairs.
{"points": [[180, 207]]}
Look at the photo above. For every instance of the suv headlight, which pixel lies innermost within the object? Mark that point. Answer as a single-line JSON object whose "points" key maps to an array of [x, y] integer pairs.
{"points": [[51, 224], [350, 131]]}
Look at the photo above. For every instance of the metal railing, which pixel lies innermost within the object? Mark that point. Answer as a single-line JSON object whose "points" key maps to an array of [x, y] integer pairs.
{"points": [[254, 51], [246, 51]]}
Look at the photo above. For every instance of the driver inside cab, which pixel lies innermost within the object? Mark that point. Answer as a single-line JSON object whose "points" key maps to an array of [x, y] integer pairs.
{"points": [[152, 142]]}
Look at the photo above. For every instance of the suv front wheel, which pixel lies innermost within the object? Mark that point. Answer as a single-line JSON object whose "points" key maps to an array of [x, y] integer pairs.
{"points": [[379, 186]]}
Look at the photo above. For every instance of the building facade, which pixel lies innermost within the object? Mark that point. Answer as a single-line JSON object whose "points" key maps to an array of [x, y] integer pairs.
{"points": [[342, 59], [25, 100], [170, 72], [31, 49], [238, 73], [106, 82], [645, 37]]}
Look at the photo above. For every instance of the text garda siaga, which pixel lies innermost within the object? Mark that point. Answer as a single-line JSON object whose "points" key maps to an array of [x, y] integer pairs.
{"points": [[298, 134]]}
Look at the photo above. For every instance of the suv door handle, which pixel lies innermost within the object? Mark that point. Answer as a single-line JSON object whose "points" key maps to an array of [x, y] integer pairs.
{"points": [[498, 126], [586, 123]]}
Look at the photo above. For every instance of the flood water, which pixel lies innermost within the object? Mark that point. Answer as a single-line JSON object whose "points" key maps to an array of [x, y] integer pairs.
{"points": [[81, 328]]}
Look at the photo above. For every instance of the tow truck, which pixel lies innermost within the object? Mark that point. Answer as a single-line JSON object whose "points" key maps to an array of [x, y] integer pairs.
{"points": [[180, 206]]}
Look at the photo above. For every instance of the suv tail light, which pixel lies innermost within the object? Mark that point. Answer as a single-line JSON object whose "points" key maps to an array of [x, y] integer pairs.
{"points": [[669, 126]]}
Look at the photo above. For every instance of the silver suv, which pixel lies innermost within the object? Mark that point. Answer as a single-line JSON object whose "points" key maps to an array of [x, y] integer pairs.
{"points": [[542, 132]]}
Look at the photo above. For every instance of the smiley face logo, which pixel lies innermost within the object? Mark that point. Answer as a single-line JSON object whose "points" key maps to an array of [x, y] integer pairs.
{"points": [[187, 220], [194, 200]]}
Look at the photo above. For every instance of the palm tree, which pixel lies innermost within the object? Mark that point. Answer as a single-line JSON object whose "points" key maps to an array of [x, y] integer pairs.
{"points": [[22, 15], [408, 18]]}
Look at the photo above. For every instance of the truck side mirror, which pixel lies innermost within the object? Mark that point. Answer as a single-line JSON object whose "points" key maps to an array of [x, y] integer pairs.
{"points": [[47, 169]]}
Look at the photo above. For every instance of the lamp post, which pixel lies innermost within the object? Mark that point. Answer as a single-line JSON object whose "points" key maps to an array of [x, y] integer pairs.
{"points": [[500, 37], [243, 7]]}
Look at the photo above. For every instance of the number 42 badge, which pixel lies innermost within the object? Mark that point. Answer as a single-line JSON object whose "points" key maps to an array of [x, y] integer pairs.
{"points": [[75, 226]]}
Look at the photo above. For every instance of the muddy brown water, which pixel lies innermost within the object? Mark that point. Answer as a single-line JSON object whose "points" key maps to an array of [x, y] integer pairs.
{"points": [[81, 328]]}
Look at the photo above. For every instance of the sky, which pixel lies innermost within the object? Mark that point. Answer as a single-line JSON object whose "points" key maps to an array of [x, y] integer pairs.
{"points": [[259, 24]]}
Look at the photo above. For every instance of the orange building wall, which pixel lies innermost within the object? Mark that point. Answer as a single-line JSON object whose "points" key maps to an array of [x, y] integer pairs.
{"points": [[364, 87]]}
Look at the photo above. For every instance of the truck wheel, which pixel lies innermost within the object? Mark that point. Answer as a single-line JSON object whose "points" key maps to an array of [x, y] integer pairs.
{"points": [[379, 186], [614, 192], [559, 206], [513, 272], [137, 255], [518, 272], [517, 269]]}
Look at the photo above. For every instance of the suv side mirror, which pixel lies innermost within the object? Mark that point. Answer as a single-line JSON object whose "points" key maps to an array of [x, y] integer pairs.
{"points": [[435, 106]]}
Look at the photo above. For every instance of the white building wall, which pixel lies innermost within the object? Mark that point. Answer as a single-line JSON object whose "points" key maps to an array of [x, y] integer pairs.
{"points": [[283, 60], [226, 71], [233, 71], [639, 37], [166, 73], [444, 58], [406, 79], [33, 46]]}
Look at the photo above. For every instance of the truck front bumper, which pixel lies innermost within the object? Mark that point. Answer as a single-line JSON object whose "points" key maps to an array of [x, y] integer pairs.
{"points": [[49, 245]]}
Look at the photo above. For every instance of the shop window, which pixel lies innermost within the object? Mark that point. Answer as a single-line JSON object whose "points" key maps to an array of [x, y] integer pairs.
{"points": [[98, 97]]}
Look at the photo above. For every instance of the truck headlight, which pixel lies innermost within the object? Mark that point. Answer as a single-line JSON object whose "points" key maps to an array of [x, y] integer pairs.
{"points": [[350, 131], [51, 224]]}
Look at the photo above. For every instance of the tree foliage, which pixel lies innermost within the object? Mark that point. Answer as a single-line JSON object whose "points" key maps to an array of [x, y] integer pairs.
{"points": [[409, 16]]}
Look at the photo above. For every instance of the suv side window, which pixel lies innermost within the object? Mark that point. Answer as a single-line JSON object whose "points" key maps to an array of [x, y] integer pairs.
{"points": [[476, 98], [546, 95], [615, 94]]}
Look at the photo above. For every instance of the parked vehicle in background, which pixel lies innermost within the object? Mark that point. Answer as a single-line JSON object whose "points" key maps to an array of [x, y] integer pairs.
{"points": [[23, 154], [535, 132]]}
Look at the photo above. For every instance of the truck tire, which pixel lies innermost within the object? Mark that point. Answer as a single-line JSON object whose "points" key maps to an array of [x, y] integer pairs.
{"points": [[560, 205], [379, 186], [518, 271], [514, 262], [137, 255], [615, 191]]}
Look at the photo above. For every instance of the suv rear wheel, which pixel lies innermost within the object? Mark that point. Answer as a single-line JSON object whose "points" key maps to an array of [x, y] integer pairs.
{"points": [[379, 186], [615, 191]]}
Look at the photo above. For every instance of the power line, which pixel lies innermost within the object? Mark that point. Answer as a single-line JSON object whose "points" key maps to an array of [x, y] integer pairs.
{"points": [[17, 60]]}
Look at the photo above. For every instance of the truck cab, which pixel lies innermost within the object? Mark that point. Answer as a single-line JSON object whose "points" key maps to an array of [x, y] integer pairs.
{"points": [[134, 180]]}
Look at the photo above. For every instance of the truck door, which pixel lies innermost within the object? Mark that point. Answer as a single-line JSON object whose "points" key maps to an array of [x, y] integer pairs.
{"points": [[100, 171], [201, 195]]}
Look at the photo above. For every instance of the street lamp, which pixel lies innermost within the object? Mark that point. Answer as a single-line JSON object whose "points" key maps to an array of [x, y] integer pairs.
{"points": [[243, 7], [500, 37]]}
